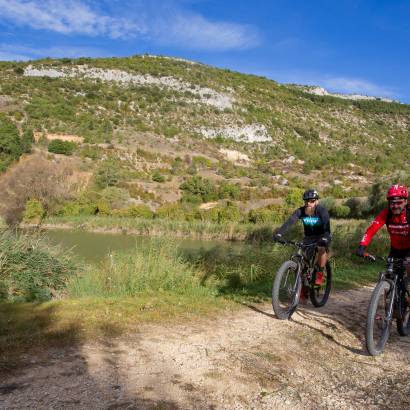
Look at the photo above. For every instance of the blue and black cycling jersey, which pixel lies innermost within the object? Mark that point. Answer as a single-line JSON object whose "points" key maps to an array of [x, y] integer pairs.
{"points": [[315, 226]]}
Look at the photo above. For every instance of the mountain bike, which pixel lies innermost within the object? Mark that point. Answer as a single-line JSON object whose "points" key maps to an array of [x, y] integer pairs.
{"points": [[297, 272], [389, 300]]}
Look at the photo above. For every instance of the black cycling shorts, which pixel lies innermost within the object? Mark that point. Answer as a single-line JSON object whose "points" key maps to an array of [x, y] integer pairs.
{"points": [[401, 253], [318, 240]]}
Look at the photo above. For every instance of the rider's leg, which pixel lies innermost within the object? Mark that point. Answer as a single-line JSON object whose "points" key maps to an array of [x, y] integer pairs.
{"points": [[407, 266], [321, 256], [321, 261]]}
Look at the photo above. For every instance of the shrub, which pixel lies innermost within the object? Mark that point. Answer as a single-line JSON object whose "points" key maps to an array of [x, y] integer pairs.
{"points": [[31, 269], [170, 210], [34, 210], [356, 207], [260, 216], [33, 177], [198, 189], [227, 190], [10, 143], [157, 177], [376, 200], [341, 211], [58, 146], [107, 174], [329, 203], [115, 197], [135, 211], [229, 213], [294, 198]]}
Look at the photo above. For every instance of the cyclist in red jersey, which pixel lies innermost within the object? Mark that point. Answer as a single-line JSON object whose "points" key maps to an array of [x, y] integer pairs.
{"points": [[397, 220]]}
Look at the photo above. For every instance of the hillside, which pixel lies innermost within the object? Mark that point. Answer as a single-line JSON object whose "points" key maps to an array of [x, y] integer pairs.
{"points": [[146, 124]]}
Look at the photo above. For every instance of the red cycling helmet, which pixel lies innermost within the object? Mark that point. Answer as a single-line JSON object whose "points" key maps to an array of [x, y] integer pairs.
{"points": [[397, 191]]}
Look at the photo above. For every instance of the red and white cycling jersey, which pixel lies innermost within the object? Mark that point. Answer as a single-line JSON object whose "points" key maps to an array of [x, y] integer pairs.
{"points": [[398, 227]]}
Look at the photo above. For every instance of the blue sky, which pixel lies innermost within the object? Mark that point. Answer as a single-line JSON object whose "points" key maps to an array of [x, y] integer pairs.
{"points": [[350, 46]]}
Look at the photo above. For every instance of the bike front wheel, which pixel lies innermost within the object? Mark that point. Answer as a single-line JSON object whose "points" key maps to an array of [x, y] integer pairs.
{"points": [[286, 290], [319, 294], [403, 316], [378, 324]]}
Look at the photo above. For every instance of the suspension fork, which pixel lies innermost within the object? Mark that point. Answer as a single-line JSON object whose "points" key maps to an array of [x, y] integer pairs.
{"points": [[393, 291]]}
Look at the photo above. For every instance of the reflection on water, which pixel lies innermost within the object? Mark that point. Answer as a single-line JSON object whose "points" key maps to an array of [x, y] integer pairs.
{"points": [[93, 247]]}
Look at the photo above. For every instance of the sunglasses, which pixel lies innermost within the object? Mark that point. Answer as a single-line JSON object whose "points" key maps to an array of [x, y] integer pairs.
{"points": [[397, 202], [311, 201]]}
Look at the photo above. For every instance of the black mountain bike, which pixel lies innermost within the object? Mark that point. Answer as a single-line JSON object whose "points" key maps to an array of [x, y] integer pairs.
{"points": [[389, 300], [297, 272]]}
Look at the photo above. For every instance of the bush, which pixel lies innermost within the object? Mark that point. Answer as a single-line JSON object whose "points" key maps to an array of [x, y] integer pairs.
{"points": [[10, 144], [198, 189], [294, 198], [34, 210], [341, 211], [135, 211], [260, 216], [376, 200], [157, 177], [108, 174], [31, 269], [116, 198], [33, 177], [229, 213], [356, 207], [61, 147], [227, 190], [171, 210]]}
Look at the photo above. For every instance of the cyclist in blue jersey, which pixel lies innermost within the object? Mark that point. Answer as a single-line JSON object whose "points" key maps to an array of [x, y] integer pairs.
{"points": [[316, 225]]}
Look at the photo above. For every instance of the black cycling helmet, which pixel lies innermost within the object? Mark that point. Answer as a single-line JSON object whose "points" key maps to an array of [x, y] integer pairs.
{"points": [[310, 194]]}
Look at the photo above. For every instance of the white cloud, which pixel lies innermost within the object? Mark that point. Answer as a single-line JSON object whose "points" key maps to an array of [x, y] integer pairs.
{"points": [[196, 32], [165, 23], [67, 17]]}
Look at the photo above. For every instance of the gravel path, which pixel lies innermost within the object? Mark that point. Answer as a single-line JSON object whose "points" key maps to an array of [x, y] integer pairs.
{"points": [[244, 360]]}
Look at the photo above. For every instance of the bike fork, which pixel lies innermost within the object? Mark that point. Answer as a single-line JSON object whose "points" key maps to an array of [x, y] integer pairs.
{"points": [[389, 313]]}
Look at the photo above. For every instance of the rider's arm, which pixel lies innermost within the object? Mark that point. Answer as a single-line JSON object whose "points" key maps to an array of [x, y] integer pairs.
{"points": [[377, 223], [289, 222], [324, 215]]}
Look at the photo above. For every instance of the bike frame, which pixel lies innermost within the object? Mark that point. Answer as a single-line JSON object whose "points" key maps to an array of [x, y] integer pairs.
{"points": [[304, 262], [394, 276]]}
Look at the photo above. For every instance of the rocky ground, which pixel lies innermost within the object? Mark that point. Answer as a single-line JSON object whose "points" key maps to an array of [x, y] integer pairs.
{"points": [[244, 360]]}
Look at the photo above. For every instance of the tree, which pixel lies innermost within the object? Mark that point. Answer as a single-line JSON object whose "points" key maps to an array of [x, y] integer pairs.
{"points": [[107, 174], [198, 189], [10, 143], [33, 177]]}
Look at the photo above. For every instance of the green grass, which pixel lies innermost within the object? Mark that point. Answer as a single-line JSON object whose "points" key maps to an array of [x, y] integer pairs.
{"points": [[152, 268]]}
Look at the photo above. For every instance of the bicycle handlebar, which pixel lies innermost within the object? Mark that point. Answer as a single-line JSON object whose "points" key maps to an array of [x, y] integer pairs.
{"points": [[373, 258], [294, 243]]}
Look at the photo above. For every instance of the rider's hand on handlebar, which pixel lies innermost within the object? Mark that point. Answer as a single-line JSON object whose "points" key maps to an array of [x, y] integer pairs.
{"points": [[278, 237], [361, 251]]}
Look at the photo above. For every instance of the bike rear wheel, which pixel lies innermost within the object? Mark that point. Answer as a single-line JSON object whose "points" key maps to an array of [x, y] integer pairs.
{"points": [[377, 324], [403, 315], [319, 294], [286, 290]]}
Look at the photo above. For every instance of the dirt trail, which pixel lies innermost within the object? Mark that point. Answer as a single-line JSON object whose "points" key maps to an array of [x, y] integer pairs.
{"points": [[243, 360]]}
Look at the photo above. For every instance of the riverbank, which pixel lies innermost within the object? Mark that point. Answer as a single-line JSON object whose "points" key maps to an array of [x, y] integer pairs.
{"points": [[202, 230]]}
